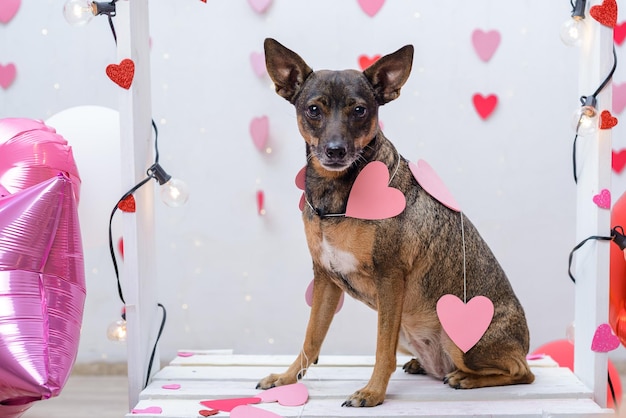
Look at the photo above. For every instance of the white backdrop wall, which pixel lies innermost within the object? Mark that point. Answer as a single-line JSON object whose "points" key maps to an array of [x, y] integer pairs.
{"points": [[233, 279]]}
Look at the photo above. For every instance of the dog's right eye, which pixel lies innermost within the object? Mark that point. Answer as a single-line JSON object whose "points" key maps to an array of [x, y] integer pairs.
{"points": [[313, 112]]}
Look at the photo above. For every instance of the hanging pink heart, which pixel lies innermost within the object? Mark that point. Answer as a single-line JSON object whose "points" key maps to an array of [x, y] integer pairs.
{"points": [[484, 105], [432, 183], [148, 410], [618, 160], [485, 43], [295, 394], [619, 97], [308, 297], [8, 9], [619, 33], [365, 61], [260, 6], [257, 61], [228, 405], [300, 185], [603, 199], [604, 340], [371, 7], [465, 324], [259, 131], [260, 202], [7, 75], [371, 198], [246, 411]]}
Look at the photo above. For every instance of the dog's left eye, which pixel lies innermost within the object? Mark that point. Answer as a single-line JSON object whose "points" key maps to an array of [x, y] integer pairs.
{"points": [[360, 111], [314, 112]]}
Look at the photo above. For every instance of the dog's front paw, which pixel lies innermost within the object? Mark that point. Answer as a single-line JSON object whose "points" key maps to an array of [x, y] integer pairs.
{"points": [[364, 397], [413, 366], [461, 380], [274, 380]]}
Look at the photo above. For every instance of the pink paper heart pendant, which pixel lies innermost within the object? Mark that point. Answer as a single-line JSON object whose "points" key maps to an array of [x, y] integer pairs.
{"points": [[432, 183], [465, 324], [371, 198], [8, 9], [7, 75], [485, 43], [257, 61], [308, 297], [260, 6], [371, 7], [604, 340], [259, 131], [619, 97]]}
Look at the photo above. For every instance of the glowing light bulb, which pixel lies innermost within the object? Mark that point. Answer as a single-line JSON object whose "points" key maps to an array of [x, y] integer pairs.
{"points": [[585, 120], [174, 192], [573, 31], [79, 12], [117, 331]]}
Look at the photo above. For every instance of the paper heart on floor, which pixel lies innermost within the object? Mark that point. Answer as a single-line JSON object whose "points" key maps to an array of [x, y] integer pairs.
{"points": [[8, 9], [308, 297], [371, 198], [260, 131], [365, 61], [257, 61], [295, 394], [227, 405], [603, 199], [618, 160], [371, 7], [148, 410], [619, 33], [484, 105], [465, 324], [246, 411], [485, 43], [122, 74], [208, 413], [605, 13], [619, 97], [607, 121], [172, 386], [260, 6], [7, 75], [604, 340], [432, 183]]}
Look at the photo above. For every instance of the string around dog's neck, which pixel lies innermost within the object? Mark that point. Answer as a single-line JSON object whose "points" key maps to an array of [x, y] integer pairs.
{"points": [[323, 215]]}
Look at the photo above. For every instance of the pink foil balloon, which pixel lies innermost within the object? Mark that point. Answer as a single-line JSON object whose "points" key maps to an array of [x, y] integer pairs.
{"points": [[42, 278]]}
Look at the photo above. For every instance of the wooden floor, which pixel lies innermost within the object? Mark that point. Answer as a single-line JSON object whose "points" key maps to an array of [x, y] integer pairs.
{"points": [[176, 390]]}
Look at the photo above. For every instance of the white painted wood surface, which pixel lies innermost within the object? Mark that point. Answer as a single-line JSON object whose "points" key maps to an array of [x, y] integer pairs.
{"points": [[138, 270], [594, 174], [556, 392]]}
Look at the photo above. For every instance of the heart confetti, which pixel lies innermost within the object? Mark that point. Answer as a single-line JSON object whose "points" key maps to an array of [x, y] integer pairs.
{"points": [[604, 340], [371, 198], [148, 410], [485, 43], [127, 204], [7, 75], [260, 6], [619, 97], [371, 7], [208, 412], [246, 411], [227, 405], [607, 121], [465, 324], [185, 354], [308, 297], [260, 202], [484, 105], [365, 61], [288, 395], [619, 33], [122, 74], [8, 10], [603, 199], [605, 13], [257, 61], [259, 131], [618, 160], [432, 183]]}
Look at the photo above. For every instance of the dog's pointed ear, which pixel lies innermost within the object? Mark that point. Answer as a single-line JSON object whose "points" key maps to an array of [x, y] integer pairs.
{"points": [[286, 69], [389, 73]]}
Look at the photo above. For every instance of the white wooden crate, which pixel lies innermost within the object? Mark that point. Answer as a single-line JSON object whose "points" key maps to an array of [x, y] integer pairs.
{"points": [[206, 375]]}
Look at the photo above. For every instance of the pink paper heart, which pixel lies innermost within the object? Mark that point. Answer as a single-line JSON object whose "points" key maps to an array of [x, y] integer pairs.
{"points": [[295, 394], [485, 105], [603, 199], [308, 297], [259, 130], [465, 324], [300, 185], [7, 75], [430, 181], [257, 61], [370, 197], [604, 340], [8, 9], [185, 354], [228, 405], [260, 6], [619, 97], [246, 411], [148, 410], [485, 43], [371, 7], [173, 386]]}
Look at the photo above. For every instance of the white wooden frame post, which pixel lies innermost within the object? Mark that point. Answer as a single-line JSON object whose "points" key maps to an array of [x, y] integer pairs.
{"points": [[138, 271], [594, 174]]}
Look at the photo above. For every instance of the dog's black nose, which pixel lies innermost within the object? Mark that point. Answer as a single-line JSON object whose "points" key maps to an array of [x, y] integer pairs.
{"points": [[336, 152]]}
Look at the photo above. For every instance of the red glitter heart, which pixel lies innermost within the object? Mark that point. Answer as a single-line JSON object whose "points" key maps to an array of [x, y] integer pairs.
{"points": [[122, 74], [208, 412], [607, 121], [127, 205], [618, 161], [605, 13], [365, 61], [485, 105], [619, 33]]}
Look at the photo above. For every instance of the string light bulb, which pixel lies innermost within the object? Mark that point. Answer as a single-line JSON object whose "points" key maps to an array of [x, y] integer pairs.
{"points": [[174, 192], [80, 12], [117, 331], [585, 121], [574, 29]]}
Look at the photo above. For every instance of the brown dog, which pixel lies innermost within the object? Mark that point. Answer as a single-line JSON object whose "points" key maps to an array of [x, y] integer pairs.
{"points": [[402, 265]]}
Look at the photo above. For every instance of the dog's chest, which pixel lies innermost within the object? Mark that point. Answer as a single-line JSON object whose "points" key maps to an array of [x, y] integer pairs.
{"points": [[337, 260]]}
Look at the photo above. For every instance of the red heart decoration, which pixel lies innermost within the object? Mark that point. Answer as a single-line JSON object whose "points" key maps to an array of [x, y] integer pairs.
{"points": [[485, 105], [603, 199], [127, 204], [122, 74], [618, 160], [619, 33], [365, 61], [605, 13], [607, 121], [227, 405], [604, 340], [371, 198], [208, 413]]}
